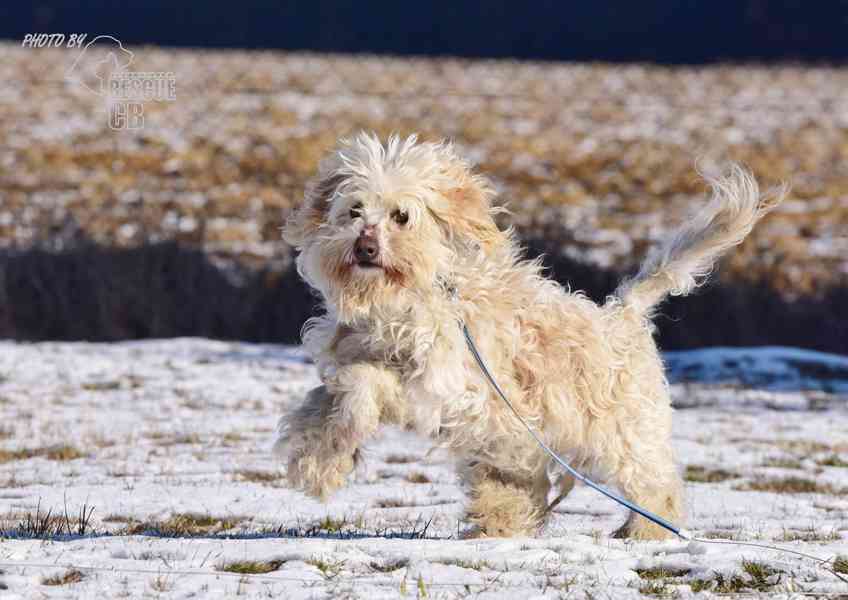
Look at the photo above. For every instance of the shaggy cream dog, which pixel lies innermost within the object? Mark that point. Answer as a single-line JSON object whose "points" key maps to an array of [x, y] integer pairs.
{"points": [[400, 242]]}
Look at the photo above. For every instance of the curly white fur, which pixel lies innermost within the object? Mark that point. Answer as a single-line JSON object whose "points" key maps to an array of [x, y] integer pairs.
{"points": [[389, 348]]}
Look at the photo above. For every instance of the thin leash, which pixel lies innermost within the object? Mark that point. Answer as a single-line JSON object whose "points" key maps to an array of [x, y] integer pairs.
{"points": [[678, 531]]}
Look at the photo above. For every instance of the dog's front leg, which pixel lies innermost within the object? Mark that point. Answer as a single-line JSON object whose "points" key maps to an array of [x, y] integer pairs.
{"points": [[436, 391], [322, 436]]}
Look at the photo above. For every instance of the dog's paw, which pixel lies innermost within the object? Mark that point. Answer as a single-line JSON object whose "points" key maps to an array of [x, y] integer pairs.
{"points": [[641, 532], [318, 475], [498, 530], [509, 521]]}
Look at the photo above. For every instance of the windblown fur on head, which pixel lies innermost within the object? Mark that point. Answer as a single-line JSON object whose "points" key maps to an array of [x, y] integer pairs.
{"points": [[422, 202]]}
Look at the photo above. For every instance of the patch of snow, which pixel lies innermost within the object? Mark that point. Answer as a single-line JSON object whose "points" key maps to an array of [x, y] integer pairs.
{"points": [[173, 427], [767, 367]]}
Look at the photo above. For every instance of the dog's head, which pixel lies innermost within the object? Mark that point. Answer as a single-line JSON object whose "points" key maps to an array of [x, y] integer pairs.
{"points": [[382, 219]]}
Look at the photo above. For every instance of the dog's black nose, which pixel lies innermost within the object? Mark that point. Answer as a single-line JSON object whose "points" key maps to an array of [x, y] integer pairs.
{"points": [[366, 249]]}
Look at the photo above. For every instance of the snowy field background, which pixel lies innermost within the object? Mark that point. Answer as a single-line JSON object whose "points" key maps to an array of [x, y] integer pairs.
{"points": [[169, 442]]}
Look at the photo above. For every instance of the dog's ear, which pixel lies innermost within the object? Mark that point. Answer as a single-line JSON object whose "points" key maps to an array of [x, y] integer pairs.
{"points": [[306, 220], [469, 214]]}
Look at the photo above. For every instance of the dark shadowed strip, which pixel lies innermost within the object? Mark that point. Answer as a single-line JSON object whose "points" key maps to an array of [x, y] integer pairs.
{"points": [[96, 293]]}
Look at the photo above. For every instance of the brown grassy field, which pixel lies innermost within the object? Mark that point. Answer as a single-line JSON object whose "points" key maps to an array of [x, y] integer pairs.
{"points": [[596, 161]]}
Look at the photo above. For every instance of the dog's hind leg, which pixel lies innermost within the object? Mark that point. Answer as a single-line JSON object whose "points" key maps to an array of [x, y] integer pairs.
{"points": [[506, 505], [656, 486]]}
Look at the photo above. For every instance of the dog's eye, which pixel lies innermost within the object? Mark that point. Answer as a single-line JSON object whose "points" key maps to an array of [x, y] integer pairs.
{"points": [[356, 210], [401, 217]]}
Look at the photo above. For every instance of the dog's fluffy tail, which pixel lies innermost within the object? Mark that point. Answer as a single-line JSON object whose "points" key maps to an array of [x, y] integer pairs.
{"points": [[684, 260]]}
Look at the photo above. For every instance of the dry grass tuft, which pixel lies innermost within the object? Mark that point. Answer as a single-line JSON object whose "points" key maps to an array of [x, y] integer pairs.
{"points": [[782, 463], [391, 503], [232, 438], [41, 524], [788, 485], [834, 460], [400, 459], [256, 476], [656, 581], [329, 569], [659, 589], [418, 478], [67, 578], [173, 439], [809, 535], [183, 525], [101, 386], [63, 452], [760, 578], [699, 474], [803, 447], [60, 453], [474, 565], [331, 525], [118, 519], [661, 573], [760, 574], [251, 567], [389, 566], [12, 455]]}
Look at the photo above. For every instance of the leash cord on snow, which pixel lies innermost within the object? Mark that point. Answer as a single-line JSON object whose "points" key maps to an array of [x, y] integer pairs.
{"points": [[679, 532]]}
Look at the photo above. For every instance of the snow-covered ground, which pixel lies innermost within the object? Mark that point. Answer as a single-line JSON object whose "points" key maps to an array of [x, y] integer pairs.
{"points": [[169, 441]]}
